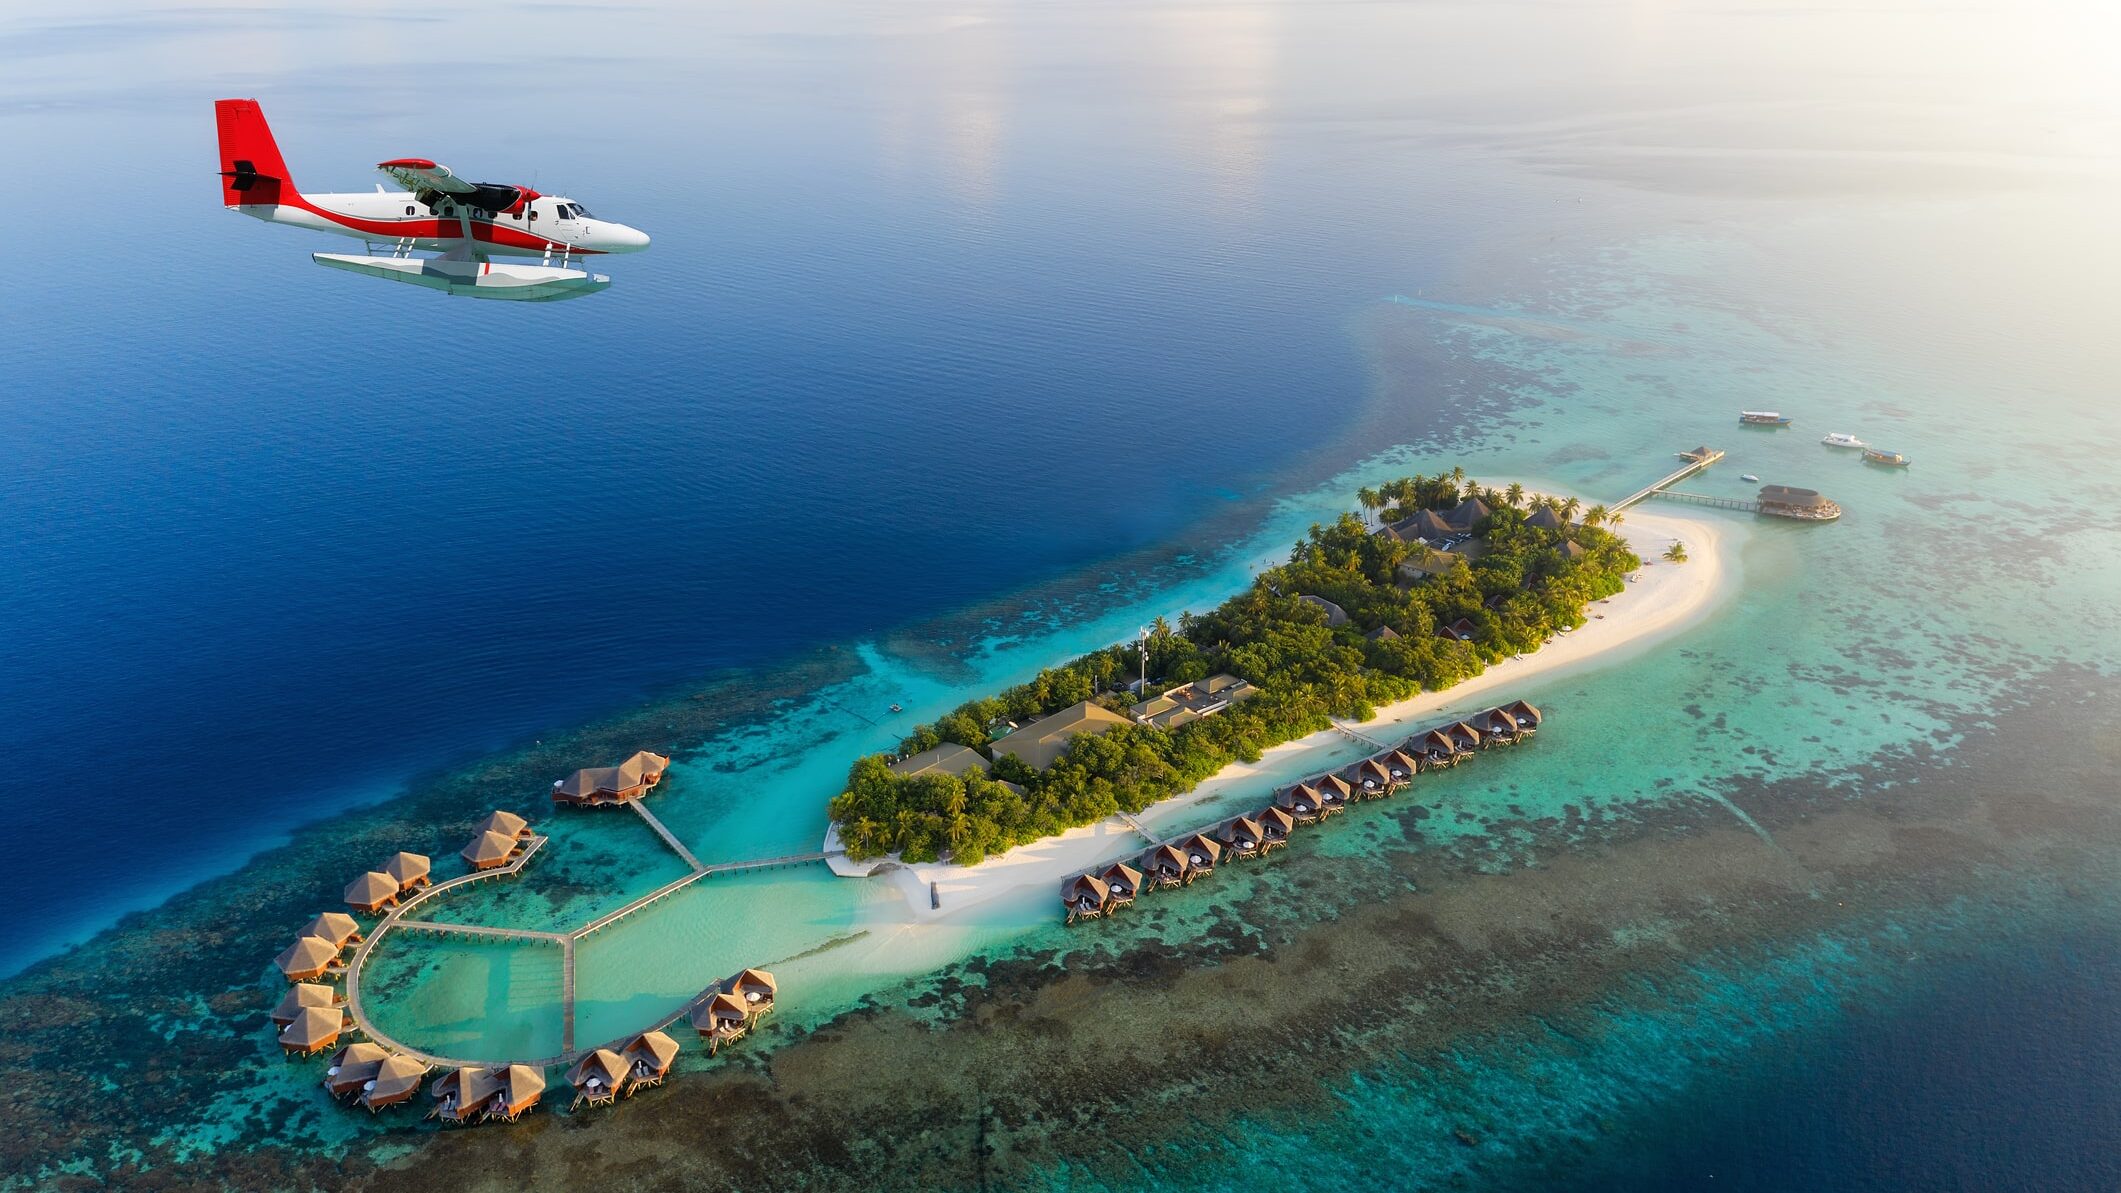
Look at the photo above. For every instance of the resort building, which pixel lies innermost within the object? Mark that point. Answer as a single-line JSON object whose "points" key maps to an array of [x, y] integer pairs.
{"points": [[508, 824], [1243, 837], [604, 785], [1458, 631], [1369, 778], [720, 1020], [1044, 740], [300, 997], [650, 1054], [1546, 517], [396, 1080], [1572, 550], [1508, 722], [1463, 737], [1467, 514], [1122, 883], [598, 1077], [1404, 766], [1435, 749], [520, 1088], [1202, 852], [946, 759], [1383, 633], [462, 1093], [372, 892], [335, 926], [1275, 826], [1334, 794], [314, 1030], [754, 988], [1335, 615], [1429, 562], [1805, 505], [353, 1067], [491, 850], [1191, 702], [408, 870], [1302, 803], [1085, 896], [309, 958], [1423, 526], [1166, 865]]}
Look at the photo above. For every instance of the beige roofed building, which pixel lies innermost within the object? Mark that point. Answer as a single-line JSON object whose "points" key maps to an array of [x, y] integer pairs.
{"points": [[1191, 702], [314, 1030], [352, 1067], [335, 926], [628, 780], [372, 892], [409, 870], [598, 1076], [1044, 740], [491, 850], [506, 823], [397, 1079], [946, 759], [308, 957], [521, 1087], [300, 997]]}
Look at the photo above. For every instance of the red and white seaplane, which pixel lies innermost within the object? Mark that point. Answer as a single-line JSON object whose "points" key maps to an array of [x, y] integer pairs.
{"points": [[469, 223]]}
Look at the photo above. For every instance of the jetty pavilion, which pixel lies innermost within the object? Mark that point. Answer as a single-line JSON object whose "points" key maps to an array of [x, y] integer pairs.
{"points": [[602, 786]]}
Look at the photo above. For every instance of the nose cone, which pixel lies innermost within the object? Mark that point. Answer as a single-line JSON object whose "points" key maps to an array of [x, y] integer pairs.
{"points": [[622, 239]]}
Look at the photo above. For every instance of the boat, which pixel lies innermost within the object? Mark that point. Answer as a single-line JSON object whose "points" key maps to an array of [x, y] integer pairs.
{"points": [[1749, 478], [1875, 455], [1842, 439], [896, 708], [1763, 418]]}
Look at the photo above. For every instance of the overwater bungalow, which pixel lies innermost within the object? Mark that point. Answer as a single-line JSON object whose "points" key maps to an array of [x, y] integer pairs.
{"points": [[520, 1088], [1242, 837], [408, 870], [720, 1020], [1369, 779], [300, 997], [1526, 716], [1086, 897], [1202, 852], [1435, 749], [603, 785], [491, 850], [1463, 737], [314, 1030], [397, 1079], [1166, 865], [506, 823], [1401, 765], [650, 1055], [1122, 882], [1336, 793], [372, 892], [598, 1077], [308, 959], [1302, 802], [335, 926], [754, 988], [1275, 826], [353, 1067], [461, 1095], [1496, 726]]}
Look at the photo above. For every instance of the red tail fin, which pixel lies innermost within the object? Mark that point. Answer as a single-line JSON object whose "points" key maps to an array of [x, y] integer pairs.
{"points": [[251, 169]]}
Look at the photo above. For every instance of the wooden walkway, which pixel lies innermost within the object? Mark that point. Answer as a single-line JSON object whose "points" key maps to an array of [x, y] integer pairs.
{"points": [[1364, 738], [1693, 465], [568, 942], [1722, 503]]}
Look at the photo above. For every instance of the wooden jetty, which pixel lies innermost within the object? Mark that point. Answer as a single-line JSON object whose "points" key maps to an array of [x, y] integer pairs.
{"points": [[1697, 461]]}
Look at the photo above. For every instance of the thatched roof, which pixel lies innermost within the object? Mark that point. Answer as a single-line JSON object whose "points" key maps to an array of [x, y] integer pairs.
{"points": [[722, 1008], [1335, 615], [1466, 513], [1302, 798], [946, 759], [1277, 818], [498, 821], [1120, 874], [753, 982], [334, 926], [1523, 710], [1075, 889], [314, 1028], [353, 1067], [471, 1084], [301, 996], [1243, 828], [634, 773], [1546, 517], [521, 1085], [371, 889], [654, 1047], [1203, 846], [309, 955], [1422, 524], [1166, 856], [407, 868], [605, 1067], [396, 1078], [1044, 740], [490, 849]]}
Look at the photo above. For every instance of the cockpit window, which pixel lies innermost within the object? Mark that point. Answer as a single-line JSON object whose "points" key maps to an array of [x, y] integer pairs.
{"points": [[582, 213]]}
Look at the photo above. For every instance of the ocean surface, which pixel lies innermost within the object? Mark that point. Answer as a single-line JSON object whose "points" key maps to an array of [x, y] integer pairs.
{"points": [[974, 336]]}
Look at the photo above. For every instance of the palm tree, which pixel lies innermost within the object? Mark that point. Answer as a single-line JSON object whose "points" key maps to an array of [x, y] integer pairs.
{"points": [[1458, 475], [1370, 500], [1569, 508], [1595, 516], [1514, 494], [1676, 552]]}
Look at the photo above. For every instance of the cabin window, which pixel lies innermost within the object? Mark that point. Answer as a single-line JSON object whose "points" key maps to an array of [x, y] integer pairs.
{"points": [[409, 209], [533, 215]]}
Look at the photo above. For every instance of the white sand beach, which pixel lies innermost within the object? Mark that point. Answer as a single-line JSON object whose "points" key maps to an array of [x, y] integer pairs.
{"points": [[1661, 599]]}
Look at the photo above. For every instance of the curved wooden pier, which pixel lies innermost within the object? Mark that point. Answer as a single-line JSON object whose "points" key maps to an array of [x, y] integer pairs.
{"points": [[566, 941]]}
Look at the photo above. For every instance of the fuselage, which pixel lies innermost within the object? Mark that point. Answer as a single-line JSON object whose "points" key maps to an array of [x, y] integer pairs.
{"points": [[548, 225]]}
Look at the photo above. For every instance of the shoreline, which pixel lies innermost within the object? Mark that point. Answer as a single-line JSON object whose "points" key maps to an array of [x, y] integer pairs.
{"points": [[1661, 599]]}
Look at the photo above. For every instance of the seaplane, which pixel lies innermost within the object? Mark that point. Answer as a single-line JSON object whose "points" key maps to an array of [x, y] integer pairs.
{"points": [[467, 223]]}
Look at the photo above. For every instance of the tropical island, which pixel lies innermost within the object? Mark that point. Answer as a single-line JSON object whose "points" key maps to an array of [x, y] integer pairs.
{"points": [[1436, 580]]}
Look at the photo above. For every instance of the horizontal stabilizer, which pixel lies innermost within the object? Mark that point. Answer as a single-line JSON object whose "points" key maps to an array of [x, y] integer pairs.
{"points": [[473, 279]]}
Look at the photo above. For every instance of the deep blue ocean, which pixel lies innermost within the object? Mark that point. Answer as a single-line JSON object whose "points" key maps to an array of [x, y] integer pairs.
{"points": [[945, 303]]}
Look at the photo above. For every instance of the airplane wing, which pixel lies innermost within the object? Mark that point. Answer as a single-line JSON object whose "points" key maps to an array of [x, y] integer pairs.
{"points": [[420, 174]]}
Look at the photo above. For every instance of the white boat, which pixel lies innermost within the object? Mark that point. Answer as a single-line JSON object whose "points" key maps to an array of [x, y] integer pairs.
{"points": [[1843, 439], [1750, 478]]}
